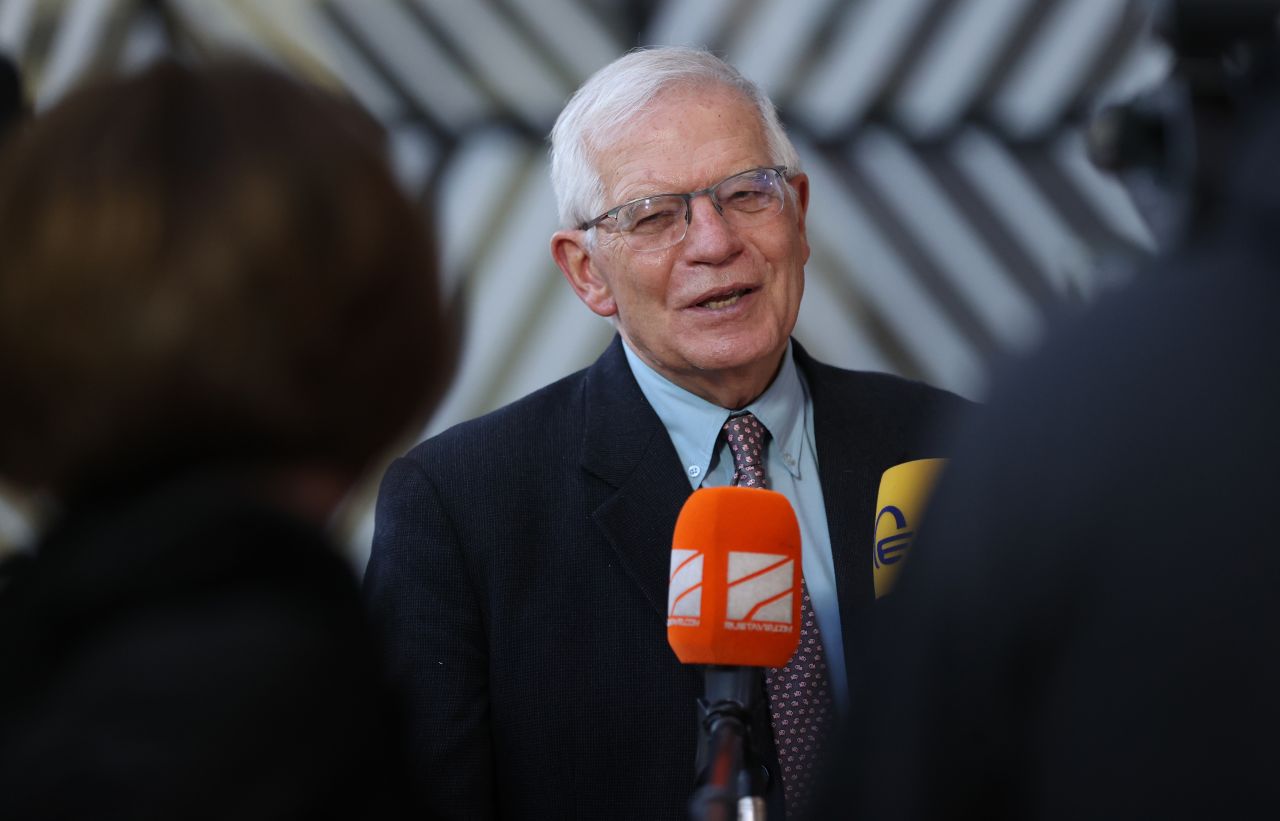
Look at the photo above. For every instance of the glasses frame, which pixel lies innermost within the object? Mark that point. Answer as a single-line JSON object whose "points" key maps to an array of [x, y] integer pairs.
{"points": [[782, 171]]}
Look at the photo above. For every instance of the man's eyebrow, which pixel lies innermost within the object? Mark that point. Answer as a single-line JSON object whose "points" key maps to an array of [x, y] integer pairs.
{"points": [[650, 190], [674, 189]]}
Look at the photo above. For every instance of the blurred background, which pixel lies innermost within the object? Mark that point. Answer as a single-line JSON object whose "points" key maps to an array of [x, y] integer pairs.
{"points": [[953, 207]]}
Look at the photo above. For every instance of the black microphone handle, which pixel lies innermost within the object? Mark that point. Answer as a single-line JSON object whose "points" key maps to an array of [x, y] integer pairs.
{"points": [[731, 693]]}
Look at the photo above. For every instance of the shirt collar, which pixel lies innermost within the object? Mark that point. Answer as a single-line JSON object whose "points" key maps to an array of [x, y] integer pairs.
{"points": [[694, 424], [781, 410]]}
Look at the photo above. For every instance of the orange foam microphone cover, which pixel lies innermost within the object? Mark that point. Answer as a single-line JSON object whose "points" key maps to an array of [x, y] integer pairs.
{"points": [[734, 590]]}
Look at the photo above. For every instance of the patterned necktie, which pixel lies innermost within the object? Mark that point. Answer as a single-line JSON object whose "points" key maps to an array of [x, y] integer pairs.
{"points": [[801, 708]]}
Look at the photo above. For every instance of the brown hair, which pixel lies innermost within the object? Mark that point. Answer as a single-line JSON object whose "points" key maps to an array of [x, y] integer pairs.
{"points": [[208, 265]]}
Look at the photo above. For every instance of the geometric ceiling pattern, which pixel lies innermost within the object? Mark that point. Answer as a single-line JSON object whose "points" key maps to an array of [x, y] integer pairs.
{"points": [[953, 209]]}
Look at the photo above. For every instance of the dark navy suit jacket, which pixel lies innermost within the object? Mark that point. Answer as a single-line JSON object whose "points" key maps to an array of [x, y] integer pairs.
{"points": [[519, 582]]}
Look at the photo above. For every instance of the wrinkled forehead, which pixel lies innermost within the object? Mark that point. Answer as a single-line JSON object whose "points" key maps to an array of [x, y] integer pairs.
{"points": [[682, 134]]}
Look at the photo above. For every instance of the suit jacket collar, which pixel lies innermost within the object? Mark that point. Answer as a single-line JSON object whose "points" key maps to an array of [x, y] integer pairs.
{"points": [[853, 446], [626, 446]]}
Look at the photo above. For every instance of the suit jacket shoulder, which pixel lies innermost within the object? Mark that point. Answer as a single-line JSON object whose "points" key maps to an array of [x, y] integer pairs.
{"points": [[518, 578], [886, 409], [544, 419]]}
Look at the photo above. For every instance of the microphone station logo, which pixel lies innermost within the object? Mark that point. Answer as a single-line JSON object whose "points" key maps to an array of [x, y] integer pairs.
{"points": [[892, 548], [684, 589], [759, 587], [760, 590]]}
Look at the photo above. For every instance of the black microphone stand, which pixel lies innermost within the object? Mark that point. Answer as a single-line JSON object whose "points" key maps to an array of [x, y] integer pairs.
{"points": [[730, 787]]}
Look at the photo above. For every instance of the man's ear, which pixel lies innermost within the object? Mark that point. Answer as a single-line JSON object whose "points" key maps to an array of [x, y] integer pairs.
{"points": [[569, 250], [800, 184]]}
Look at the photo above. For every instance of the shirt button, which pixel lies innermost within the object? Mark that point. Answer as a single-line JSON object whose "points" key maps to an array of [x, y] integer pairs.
{"points": [[695, 471], [788, 458]]}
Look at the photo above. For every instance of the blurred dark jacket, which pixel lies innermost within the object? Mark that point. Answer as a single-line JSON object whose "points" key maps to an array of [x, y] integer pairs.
{"points": [[181, 651], [1087, 627]]}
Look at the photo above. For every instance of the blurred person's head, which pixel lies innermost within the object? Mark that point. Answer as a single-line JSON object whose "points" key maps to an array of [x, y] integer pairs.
{"points": [[208, 268], [683, 209]]}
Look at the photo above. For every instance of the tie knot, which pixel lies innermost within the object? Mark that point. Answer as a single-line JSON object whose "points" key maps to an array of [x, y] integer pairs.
{"points": [[746, 436]]}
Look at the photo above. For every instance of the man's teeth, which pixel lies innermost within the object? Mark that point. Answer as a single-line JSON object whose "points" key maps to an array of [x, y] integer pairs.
{"points": [[723, 302]]}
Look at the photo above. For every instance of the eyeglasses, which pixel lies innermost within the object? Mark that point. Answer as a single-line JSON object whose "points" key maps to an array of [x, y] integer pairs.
{"points": [[662, 220]]}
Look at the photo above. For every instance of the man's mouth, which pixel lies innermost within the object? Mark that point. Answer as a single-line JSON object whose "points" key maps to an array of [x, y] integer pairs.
{"points": [[724, 300]]}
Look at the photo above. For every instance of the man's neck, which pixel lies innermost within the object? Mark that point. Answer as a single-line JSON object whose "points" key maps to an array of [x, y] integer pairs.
{"points": [[731, 389]]}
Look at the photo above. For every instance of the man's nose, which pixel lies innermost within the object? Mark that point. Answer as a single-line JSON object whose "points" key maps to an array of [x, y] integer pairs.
{"points": [[710, 236]]}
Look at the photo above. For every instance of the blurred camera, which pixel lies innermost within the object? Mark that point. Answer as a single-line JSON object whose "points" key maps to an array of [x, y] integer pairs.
{"points": [[1170, 145]]}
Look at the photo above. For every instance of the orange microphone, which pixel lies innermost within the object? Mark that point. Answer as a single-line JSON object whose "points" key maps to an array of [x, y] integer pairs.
{"points": [[734, 593], [733, 605]]}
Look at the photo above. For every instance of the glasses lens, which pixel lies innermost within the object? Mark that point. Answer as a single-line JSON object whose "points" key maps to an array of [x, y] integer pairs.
{"points": [[653, 222], [751, 197]]}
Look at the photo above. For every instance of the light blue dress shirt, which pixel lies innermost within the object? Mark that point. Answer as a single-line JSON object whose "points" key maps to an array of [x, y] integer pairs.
{"points": [[791, 461]]}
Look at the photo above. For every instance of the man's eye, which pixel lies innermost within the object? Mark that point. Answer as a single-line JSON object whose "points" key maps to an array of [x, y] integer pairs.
{"points": [[748, 200], [654, 218]]}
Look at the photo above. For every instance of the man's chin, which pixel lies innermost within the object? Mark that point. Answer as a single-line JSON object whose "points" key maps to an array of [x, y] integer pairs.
{"points": [[737, 353], [755, 364]]}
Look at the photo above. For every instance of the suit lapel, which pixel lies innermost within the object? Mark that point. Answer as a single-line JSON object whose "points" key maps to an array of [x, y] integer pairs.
{"points": [[845, 467], [626, 446]]}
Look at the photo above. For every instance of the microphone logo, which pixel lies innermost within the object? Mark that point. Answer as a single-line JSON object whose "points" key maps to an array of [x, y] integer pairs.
{"points": [[759, 585], [684, 591], [891, 549], [760, 590]]}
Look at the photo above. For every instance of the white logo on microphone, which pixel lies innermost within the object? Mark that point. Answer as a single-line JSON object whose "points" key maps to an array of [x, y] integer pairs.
{"points": [[684, 591], [760, 591]]}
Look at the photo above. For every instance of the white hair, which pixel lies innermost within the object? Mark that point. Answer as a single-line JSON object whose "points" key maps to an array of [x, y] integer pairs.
{"points": [[622, 91]]}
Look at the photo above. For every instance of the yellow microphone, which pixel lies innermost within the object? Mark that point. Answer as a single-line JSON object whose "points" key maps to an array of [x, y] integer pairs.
{"points": [[904, 493]]}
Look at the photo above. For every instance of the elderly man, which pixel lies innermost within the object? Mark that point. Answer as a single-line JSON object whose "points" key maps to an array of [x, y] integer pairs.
{"points": [[519, 568]]}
